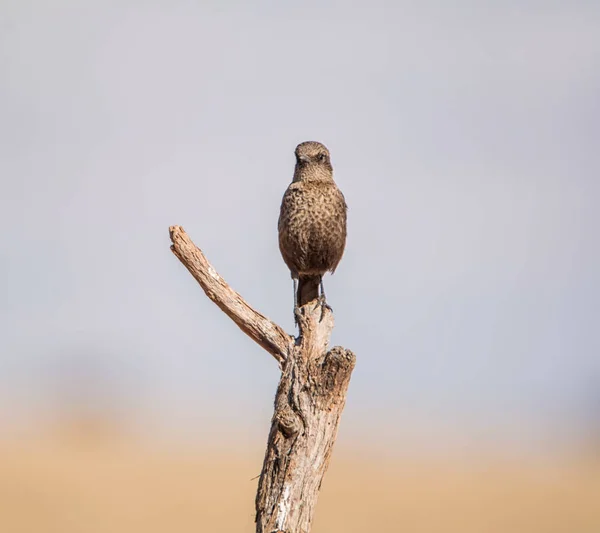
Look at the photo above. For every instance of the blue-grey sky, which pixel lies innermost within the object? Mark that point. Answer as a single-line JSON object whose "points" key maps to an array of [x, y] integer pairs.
{"points": [[465, 138]]}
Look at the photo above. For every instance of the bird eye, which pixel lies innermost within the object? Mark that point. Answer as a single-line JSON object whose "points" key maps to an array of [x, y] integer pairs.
{"points": [[322, 157]]}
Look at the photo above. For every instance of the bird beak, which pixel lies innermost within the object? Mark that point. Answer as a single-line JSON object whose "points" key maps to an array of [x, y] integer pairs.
{"points": [[303, 159]]}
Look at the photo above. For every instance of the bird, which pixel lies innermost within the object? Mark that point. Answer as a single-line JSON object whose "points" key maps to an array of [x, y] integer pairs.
{"points": [[312, 223]]}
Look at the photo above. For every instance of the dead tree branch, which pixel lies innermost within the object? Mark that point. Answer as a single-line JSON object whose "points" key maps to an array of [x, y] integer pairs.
{"points": [[308, 405], [258, 327]]}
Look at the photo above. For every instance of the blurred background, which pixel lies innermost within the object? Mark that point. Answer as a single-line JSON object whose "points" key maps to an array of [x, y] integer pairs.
{"points": [[465, 138]]}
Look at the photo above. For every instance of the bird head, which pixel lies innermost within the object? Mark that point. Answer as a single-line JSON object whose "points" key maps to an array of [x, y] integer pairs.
{"points": [[312, 162]]}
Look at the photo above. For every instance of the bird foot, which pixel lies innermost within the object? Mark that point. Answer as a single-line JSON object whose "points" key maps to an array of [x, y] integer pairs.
{"points": [[324, 305], [297, 316]]}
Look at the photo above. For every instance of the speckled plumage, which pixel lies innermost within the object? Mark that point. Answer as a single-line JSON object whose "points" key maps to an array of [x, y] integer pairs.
{"points": [[312, 220]]}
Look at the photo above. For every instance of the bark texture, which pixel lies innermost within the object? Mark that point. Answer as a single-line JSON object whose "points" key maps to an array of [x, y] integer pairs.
{"points": [[308, 405]]}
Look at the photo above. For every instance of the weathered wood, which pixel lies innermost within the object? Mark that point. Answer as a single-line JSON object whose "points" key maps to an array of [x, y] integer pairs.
{"points": [[308, 405], [258, 327]]}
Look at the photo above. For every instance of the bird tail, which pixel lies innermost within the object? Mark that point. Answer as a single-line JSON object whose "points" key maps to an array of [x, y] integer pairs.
{"points": [[308, 289]]}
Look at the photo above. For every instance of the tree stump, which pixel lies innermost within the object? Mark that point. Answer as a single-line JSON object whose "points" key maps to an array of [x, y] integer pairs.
{"points": [[309, 401]]}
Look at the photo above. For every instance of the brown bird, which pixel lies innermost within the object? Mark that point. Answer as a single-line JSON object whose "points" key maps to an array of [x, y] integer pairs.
{"points": [[312, 223]]}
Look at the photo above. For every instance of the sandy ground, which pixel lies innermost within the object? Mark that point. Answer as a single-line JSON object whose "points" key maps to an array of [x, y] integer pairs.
{"points": [[89, 486]]}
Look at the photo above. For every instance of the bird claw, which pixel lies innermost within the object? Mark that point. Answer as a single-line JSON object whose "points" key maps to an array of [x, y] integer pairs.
{"points": [[324, 305], [297, 316]]}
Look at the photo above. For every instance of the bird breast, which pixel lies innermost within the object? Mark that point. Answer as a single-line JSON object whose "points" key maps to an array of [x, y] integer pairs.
{"points": [[312, 227]]}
